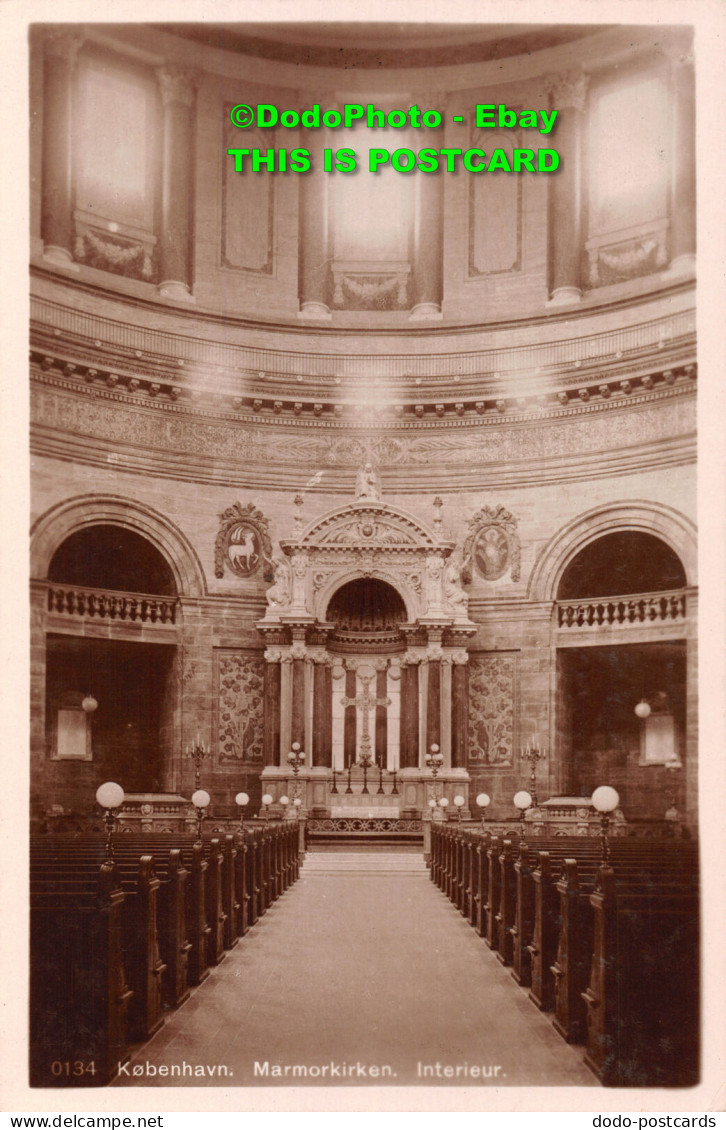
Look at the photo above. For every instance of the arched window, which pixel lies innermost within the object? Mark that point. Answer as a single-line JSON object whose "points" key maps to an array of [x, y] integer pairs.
{"points": [[112, 557], [627, 561]]}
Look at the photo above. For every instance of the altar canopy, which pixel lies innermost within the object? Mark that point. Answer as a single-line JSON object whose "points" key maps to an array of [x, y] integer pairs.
{"points": [[366, 631]]}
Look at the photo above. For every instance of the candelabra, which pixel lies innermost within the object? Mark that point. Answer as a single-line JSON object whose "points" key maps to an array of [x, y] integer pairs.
{"points": [[198, 751], [296, 757], [533, 755], [365, 760], [434, 760], [110, 796], [605, 800], [200, 800]]}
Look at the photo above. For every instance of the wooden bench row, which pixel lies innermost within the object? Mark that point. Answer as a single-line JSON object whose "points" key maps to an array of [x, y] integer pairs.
{"points": [[115, 944], [542, 911]]}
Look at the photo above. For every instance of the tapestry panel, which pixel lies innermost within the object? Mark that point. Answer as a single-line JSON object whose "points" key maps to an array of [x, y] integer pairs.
{"points": [[240, 705], [491, 710]]}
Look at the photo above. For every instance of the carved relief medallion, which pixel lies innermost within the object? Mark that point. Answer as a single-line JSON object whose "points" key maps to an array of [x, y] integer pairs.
{"points": [[243, 543], [492, 546]]}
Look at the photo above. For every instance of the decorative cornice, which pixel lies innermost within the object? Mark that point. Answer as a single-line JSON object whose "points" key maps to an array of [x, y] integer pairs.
{"points": [[654, 381]]}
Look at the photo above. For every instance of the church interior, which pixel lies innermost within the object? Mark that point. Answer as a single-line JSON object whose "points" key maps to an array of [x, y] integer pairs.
{"points": [[363, 551]]}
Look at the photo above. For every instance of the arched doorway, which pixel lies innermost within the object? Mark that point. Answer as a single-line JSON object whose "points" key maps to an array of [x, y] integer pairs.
{"points": [[110, 674], [621, 640]]}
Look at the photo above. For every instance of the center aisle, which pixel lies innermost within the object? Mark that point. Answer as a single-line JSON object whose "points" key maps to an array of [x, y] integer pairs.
{"points": [[363, 964]]}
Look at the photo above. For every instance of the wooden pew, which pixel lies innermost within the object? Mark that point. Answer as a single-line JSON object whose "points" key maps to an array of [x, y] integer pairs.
{"points": [[643, 994], [79, 996], [139, 935]]}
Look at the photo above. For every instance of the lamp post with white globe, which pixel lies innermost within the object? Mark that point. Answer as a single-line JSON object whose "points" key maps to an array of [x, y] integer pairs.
{"points": [[483, 800], [110, 796], [241, 800], [200, 800], [522, 801], [605, 800]]}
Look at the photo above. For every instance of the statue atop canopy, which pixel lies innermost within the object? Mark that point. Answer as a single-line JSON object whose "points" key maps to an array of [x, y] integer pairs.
{"points": [[367, 484]]}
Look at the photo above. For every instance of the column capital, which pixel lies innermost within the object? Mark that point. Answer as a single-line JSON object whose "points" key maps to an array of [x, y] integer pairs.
{"points": [[64, 44], [176, 85], [459, 657], [272, 655], [569, 90]]}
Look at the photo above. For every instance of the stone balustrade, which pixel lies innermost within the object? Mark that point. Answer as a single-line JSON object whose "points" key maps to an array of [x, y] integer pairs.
{"points": [[128, 607], [613, 612]]}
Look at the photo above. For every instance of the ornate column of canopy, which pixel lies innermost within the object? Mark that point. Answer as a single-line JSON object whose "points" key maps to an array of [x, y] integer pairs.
{"points": [[459, 706], [321, 742], [410, 710], [286, 738], [683, 213], [298, 655], [569, 95], [61, 54], [434, 696], [177, 94], [314, 253], [272, 708]]}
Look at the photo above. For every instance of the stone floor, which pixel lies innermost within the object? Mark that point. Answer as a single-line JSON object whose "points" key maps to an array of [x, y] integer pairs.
{"points": [[360, 967]]}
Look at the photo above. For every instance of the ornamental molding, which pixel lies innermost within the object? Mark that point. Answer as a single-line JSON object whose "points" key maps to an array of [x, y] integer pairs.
{"points": [[492, 546], [243, 542], [108, 426]]}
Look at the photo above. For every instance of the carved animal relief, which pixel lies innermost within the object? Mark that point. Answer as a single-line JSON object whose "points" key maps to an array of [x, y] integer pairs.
{"points": [[243, 543]]}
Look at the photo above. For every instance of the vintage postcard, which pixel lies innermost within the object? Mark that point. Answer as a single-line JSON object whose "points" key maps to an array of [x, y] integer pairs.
{"points": [[375, 489]]}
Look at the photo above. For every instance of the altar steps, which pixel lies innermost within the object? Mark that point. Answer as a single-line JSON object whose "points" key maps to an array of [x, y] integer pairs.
{"points": [[364, 862]]}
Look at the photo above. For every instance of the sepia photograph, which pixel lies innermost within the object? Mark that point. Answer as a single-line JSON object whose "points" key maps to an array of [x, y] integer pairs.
{"points": [[363, 674]]}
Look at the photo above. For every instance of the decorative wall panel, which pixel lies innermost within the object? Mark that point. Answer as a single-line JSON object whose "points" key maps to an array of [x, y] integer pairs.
{"points": [[240, 705], [495, 210], [492, 683], [247, 206]]}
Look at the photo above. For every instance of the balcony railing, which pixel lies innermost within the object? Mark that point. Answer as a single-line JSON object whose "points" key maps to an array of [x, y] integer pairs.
{"points": [[623, 611], [103, 604]]}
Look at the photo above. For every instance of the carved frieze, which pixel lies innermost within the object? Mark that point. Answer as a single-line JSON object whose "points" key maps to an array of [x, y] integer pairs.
{"points": [[240, 705], [491, 710], [600, 425], [243, 542], [492, 546]]}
